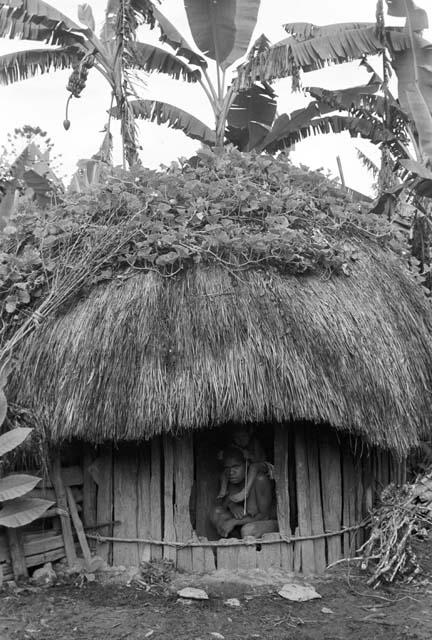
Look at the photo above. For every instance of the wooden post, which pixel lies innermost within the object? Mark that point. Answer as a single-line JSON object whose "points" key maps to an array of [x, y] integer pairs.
{"points": [[89, 490], [227, 555], [62, 503], [281, 467], [316, 508], [303, 503], [16, 551], [125, 505], [156, 498], [144, 508], [331, 494], [359, 536], [183, 478], [349, 497], [270, 555], [104, 507], [78, 527], [169, 531], [367, 484]]}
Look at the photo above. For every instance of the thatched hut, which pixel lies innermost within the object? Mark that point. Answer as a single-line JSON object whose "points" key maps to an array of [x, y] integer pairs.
{"points": [[144, 375]]}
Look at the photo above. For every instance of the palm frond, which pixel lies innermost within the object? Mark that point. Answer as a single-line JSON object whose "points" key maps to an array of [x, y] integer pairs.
{"points": [[21, 65], [305, 30], [288, 130], [367, 162], [175, 118], [169, 33], [38, 20], [150, 58], [288, 56]]}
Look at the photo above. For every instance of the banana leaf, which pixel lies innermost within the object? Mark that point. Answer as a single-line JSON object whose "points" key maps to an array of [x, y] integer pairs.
{"points": [[251, 116], [175, 118], [339, 46], [21, 65], [288, 130], [22, 511], [12, 439], [38, 20], [16, 486], [150, 58], [222, 30]]}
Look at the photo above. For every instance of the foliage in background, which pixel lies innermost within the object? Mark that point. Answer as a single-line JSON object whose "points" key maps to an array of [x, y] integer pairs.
{"points": [[114, 53], [245, 111]]}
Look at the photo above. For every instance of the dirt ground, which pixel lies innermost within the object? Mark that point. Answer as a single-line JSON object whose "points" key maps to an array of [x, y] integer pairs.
{"points": [[347, 609]]}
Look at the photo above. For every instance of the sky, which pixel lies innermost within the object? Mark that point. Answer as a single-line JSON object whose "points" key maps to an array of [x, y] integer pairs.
{"points": [[41, 101]]}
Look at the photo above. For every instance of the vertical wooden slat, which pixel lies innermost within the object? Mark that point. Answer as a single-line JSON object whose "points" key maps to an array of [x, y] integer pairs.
{"points": [[297, 556], [103, 474], [125, 505], [16, 552], [89, 490], [247, 555], [359, 536], [281, 470], [349, 500], [183, 481], [198, 558], [156, 498], [169, 531], [385, 469], [403, 471], [144, 502], [317, 520], [209, 558], [379, 475], [287, 556], [270, 555], [331, 494], [61, 499], [303, 503], [367, 484], [228, 555]]}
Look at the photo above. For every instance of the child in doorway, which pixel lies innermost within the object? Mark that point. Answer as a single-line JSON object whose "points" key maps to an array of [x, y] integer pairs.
{"points": [[245, 440]]}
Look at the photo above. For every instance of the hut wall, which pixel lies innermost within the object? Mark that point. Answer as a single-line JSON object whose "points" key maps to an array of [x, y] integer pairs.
{"points": [[160, 494], [154, 498]]}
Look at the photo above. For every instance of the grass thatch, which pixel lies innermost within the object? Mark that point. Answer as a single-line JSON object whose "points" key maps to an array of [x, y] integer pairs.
{"points": [[148, 354]]}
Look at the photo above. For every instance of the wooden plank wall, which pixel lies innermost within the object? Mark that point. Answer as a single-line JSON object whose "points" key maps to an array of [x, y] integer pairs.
{"points": [[148, 489]]}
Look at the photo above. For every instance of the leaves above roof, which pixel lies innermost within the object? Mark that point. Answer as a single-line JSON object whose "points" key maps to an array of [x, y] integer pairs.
{"points": [[338, 46], [26, 64], [38, 20], [175, 118], [252, 114], [222, 30], [150, 58]]}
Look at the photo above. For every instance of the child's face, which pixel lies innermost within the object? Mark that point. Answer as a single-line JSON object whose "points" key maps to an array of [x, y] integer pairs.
{"points": [[241, 438]]}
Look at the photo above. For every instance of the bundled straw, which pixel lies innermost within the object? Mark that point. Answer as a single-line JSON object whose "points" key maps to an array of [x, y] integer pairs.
{"points": [[404, 512]]}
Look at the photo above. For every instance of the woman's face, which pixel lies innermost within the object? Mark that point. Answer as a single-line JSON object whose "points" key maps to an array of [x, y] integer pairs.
{"points": [[235, 470]]}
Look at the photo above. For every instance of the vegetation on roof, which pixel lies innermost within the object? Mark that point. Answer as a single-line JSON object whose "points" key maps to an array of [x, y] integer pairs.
{"points": [[238, 210]]}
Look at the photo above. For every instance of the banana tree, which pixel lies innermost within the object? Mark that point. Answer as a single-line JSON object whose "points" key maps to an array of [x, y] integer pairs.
{"points": [[245, 110], [77, 47], [16, 510]]}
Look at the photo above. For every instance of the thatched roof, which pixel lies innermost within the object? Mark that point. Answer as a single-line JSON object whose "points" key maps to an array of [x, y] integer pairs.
{"points": [[147, 354]]}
